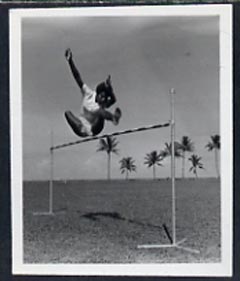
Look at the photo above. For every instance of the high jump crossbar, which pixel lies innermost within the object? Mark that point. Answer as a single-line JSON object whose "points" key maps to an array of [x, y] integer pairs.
{"points": [[125, 132], [173, 243]]}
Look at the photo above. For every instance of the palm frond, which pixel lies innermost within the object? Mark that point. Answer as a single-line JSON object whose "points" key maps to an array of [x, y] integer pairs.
{"points": [[196, 164], [168, 149], [153, 158], [214, 143], [209, 146], [127, 163], [186, 144], [109, 145]]}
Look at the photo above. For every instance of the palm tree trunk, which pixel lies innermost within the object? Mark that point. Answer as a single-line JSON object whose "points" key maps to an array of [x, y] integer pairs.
{"points": [[196, 173], [109, 167], [183, 165], [127, 174], [217, 163], [154, 172]]}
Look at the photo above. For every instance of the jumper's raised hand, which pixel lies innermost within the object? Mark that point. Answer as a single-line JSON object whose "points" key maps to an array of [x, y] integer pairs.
{"points": [[68, 54]]}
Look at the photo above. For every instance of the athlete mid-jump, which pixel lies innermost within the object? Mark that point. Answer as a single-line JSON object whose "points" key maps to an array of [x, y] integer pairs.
{"points": [[94, 104]]}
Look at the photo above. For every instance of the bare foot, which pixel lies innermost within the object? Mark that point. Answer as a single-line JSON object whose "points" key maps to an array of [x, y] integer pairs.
{"points": [[117, 116]]}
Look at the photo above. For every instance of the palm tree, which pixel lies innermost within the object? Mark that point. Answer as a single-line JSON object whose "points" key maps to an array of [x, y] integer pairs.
{"points": [[167, 151], [152, 159], [127, 165], [214, 144], [110, 146], [186, 145], [196, 164]]}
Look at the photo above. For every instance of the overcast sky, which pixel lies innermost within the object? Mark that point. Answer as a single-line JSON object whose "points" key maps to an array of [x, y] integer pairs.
{"points": [[146, 56]]}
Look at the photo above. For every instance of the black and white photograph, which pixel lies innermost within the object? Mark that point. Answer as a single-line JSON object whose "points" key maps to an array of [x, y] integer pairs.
{"points": [[121, 140]]}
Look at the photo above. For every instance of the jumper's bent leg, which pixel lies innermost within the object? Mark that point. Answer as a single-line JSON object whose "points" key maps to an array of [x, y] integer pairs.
{"points": [[75, 124]]}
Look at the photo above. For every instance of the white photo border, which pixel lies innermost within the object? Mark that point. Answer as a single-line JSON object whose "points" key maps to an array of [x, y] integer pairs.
{"points": [[224, 268]]}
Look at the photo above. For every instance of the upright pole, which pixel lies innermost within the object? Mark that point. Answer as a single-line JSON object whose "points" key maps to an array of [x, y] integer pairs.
{"points": [[173, 241], [172, 94], [51, 177]]}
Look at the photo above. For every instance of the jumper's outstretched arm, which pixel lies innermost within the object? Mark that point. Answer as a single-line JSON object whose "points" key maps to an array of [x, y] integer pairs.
{"points": [[107, 115], [75, 72]]}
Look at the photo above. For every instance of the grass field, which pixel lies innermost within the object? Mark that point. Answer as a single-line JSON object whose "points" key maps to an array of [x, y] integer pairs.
{"points": [[103, 222]]}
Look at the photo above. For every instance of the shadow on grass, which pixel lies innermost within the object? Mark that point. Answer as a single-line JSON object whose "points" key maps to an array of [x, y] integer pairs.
{"points": [[114, 215]]}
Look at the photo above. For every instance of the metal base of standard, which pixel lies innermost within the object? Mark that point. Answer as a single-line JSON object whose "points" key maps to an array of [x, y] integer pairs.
{"points": [[176, 245]]}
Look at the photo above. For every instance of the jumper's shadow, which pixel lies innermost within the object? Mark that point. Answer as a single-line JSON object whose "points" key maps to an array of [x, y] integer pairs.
{"points": [[115, 215]]}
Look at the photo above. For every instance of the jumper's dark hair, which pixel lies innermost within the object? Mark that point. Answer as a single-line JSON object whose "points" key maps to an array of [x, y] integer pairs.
{"points": [[102, 87]]}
